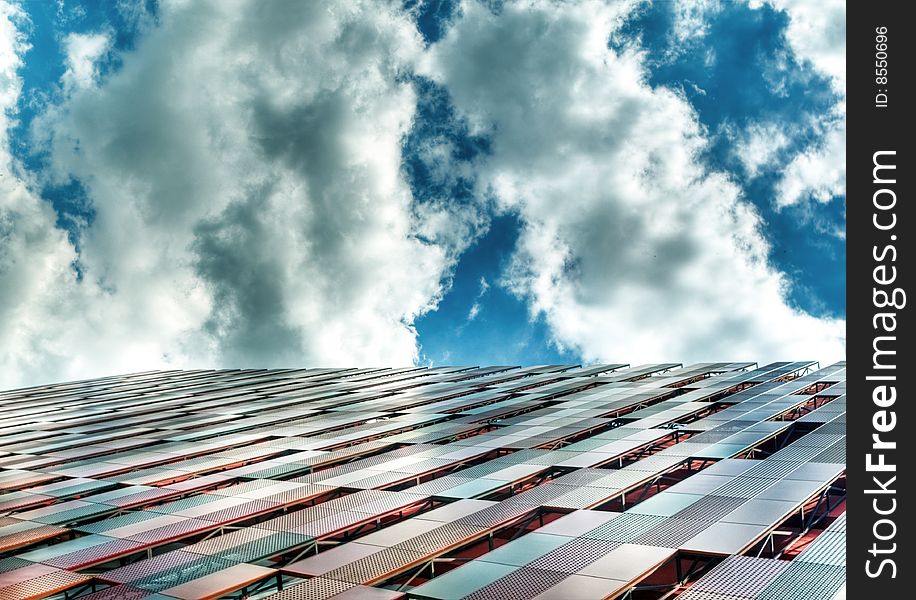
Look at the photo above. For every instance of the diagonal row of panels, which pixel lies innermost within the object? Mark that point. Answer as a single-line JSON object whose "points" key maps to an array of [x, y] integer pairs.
{"points": [[123, 467]]}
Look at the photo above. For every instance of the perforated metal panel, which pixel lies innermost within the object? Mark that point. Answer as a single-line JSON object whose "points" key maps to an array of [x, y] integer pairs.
{"points": [[394, 501], [797, 454], [743, 487], [297, 518], [74, 515], [805, 581], [671, 533], [317, 588], [375, 566], [486, 468], [177, 506], [276, 471], [138, 498], [827, 549], [14, 501], [710, 508], [118, 592], [581, 497], [24, 537], [11, 563], [742, 576], [380, 480], [220, 543], [240, 489], [493, 515], [574, 555], [712, 436], [582, 477], [327, 408], [172, 531], [771, 469], [438, 539], [437, 486], [353, 501], [839, 524], [835, 427], [260, 549], [587, 444], [240, 511], [93, 555], [44, 585], [538, 457], [294, 495], [821, 440], [130, 518], [333, 522], [76, 487], [657, 463], [625, 528], [181, 573], [145, 568], [540, 495], [835, 453], [520, 584]]}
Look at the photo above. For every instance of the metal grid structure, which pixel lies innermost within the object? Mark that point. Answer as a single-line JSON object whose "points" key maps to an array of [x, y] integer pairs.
{"points": [[551, 481]]}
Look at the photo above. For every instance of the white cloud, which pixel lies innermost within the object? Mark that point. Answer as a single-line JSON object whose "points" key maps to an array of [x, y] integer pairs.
{"points": [[244, 168], [35, 257], [758, 146], [690, 22], [817, 34], [819, 172], [629, 248], [476, 307], [12, 45], [83, 51], [475, 310]]}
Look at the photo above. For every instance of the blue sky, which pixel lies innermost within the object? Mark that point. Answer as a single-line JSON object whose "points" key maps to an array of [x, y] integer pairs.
{"points": [[747, 42], [433, 182]]}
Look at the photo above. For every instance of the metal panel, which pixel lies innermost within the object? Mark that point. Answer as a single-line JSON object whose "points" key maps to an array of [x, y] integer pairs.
{"points": [[374, 566], [709, 508], [383, 428], [805, 581], [625, 528], [724, 538], [181, 573], [461, 582], [441, 537], [742, 576]]}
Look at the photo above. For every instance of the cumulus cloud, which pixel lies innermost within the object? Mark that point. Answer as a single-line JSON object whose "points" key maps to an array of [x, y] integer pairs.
{"points": [[817, 34], [759, 145], [690, 24], [83, 51], [35, 256], [819, 172], [629, 247], [244, 167]]}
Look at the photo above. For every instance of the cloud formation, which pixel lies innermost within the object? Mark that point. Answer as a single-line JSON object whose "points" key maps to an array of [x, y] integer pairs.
{"points": [[251, 206], [244, 169], [36, 278], [629, 248], [817, 34], [83, 54]]}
